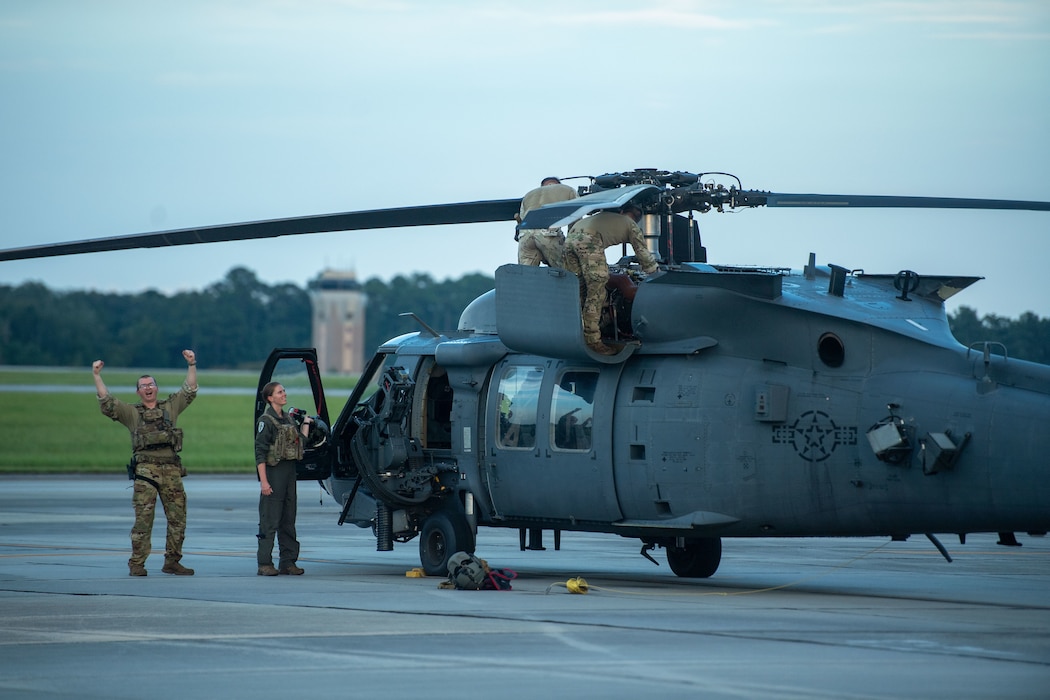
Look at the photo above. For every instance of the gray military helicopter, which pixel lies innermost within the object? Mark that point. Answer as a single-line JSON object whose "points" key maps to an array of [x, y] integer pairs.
{"points": [[843, 406]]}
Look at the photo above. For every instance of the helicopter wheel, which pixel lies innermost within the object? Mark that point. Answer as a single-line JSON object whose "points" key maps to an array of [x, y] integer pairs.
{"points": [[698, 559], [443, 534]]}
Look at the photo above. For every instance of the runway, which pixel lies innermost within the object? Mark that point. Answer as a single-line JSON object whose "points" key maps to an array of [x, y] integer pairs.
{"points": [[811, 618]]}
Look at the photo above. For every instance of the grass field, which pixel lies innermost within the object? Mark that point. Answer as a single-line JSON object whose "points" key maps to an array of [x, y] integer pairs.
{"points": [[55, 431], [119, 379]]}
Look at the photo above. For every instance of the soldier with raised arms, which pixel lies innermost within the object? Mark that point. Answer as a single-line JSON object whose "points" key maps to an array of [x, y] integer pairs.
{"points": [[155, 465]]}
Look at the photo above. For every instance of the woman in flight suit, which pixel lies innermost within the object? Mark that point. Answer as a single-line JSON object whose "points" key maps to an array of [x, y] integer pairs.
{"points": [[278, 446]]}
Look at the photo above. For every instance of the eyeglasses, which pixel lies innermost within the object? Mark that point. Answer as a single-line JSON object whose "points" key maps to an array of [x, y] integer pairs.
{"points": [[151, 385]]}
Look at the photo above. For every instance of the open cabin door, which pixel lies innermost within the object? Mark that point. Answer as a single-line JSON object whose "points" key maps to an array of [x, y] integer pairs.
{"points": [[297, 371]]}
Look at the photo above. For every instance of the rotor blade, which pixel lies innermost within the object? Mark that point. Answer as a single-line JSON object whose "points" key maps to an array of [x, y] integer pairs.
{"points": [[564, 213], [777, 199], [431, 215]]}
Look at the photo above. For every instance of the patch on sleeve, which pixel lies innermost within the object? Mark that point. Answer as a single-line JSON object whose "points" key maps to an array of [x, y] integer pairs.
{"points": [[261, 423]]}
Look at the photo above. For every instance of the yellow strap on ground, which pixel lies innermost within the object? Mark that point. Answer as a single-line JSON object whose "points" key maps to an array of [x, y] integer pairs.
{"points": [[573, 585]]}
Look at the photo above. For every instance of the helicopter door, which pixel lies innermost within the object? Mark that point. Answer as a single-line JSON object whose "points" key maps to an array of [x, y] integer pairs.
{"points": [[297, 371], [432, 410], [550, 440]]}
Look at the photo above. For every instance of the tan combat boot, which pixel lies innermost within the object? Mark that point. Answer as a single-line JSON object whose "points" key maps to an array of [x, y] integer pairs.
{"points": [[136, 570], [174, 567], [594, 342]]}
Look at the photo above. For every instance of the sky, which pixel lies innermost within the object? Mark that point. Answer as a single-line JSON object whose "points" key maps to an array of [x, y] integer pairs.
{"points": [[128, 117]]}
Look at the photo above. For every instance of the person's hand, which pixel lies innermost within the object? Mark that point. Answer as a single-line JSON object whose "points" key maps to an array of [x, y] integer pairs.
{"points": [[191, 357], [97, 366], [266, 489]]}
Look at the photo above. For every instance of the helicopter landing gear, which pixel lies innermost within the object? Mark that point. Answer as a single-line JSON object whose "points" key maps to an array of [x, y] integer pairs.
{"points": [[697, 558], [443, 534]]}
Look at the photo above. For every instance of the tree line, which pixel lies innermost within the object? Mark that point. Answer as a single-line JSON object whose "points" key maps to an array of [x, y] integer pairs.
{"points": [[1026, 338], [235, 322]]}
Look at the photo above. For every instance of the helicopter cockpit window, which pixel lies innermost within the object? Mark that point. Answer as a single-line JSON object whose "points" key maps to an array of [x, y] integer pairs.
{"points": [[519, 390], [572, 410]]}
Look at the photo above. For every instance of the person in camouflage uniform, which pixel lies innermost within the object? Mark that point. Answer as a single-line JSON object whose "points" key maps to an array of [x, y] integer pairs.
{"points": [[585, 257], [536, 245], [158, 471], [278, 447]]}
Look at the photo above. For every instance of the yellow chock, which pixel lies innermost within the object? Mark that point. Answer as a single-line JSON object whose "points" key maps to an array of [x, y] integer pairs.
{"points": [[416, 573]]}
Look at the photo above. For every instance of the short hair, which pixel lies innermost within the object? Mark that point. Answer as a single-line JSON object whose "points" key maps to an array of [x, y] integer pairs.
{"points": [[553, 179], [145, 376], [631, 207]]}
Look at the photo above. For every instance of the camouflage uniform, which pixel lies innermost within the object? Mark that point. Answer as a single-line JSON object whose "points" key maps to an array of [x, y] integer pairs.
{"points": [[277, 511], [158, 471], [536, 245], [585, 257]]}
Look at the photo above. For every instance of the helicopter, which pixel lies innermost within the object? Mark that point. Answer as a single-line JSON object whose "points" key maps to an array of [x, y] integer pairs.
{"points": [[843, 406]]}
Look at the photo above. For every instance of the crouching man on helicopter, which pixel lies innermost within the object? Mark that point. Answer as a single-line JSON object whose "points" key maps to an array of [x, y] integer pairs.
{"points": [[585, 257]]}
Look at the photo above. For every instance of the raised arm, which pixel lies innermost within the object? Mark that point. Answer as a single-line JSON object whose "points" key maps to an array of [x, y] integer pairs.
{"points": [[100, 386], [191, 368]]}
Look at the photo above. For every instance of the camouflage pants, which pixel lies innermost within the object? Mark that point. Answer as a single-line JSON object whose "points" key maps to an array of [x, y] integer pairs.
{"points": [[144, 499], [536, 246], [587, 261]]}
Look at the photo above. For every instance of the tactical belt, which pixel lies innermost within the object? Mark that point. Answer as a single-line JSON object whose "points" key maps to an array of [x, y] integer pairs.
{"points": [[148, 480]]}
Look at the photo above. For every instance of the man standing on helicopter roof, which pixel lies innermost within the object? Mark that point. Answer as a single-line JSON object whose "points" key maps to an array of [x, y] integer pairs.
{"points": [[541, 244]]}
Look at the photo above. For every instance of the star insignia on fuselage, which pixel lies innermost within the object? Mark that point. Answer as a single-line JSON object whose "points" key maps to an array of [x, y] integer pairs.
{"points": [[814, 435]]}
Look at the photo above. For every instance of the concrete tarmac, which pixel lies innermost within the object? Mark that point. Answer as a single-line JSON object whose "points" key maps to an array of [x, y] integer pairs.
{"points": [[812, 618]]}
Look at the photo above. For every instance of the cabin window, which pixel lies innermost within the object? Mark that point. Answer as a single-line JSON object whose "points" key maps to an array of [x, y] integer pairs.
{"points": [[519, 390], [572, 410]]}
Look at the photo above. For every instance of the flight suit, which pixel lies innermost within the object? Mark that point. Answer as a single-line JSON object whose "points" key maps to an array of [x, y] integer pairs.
{"points": [[155, 443], [536, 245], [585, 257], [279, 444]]}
